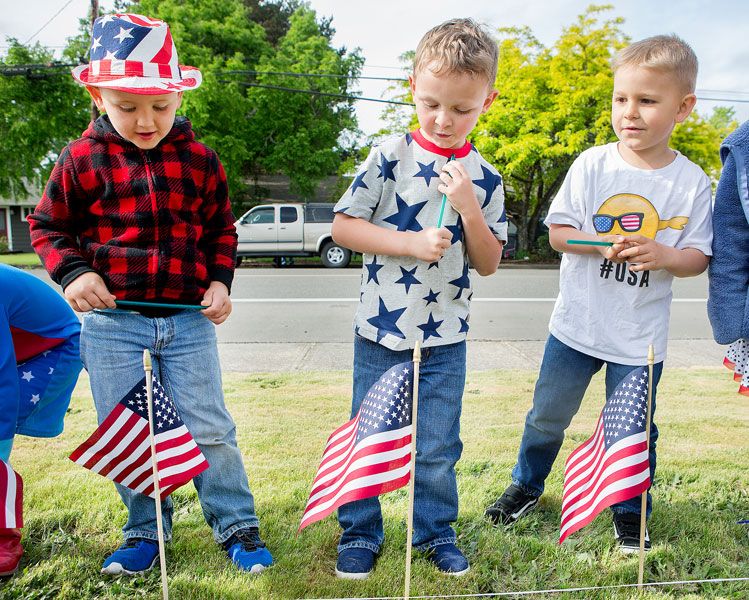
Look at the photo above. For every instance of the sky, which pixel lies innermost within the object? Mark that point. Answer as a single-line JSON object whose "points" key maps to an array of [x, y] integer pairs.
{"points": [[385, 29]]}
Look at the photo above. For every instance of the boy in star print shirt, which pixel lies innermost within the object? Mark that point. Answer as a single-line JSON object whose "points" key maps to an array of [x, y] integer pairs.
{"points": [[653, 205], [415, 278]]}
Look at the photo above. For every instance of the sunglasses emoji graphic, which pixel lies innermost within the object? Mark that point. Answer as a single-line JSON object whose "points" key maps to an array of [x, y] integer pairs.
{"points": [[630, 214]]}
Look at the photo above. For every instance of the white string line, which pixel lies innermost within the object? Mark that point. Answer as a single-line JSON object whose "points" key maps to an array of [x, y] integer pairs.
{"points": [[553, 591], [337, 300]]}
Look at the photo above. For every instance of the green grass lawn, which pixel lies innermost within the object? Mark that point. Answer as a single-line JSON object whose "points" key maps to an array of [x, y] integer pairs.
{"points": [[22, 259], [73, 517]]}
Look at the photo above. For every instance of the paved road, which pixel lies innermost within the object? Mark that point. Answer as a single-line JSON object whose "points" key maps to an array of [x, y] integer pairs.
{"points": [[301, 319]]}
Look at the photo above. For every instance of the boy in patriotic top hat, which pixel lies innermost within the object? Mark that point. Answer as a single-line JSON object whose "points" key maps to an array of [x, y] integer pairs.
{"points": [[136, 209], [415, 278], [39, 366], [653, 205]]}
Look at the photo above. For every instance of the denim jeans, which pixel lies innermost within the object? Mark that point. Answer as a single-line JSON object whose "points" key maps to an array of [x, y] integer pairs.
{"points": [[563, 378], [185, 361], [438, 445]]}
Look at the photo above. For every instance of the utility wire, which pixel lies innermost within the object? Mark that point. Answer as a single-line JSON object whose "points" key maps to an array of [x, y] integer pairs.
{"points": [[721, 91], [316, 93], [321, 75], [48, 22], [737, 100], [25, 69]]}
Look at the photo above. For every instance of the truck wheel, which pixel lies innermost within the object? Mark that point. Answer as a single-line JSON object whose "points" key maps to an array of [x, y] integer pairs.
{"points": [[334, 256]]}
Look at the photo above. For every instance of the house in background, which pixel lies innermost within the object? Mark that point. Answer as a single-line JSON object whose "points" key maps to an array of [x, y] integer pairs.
{"points": [[13, 225]]}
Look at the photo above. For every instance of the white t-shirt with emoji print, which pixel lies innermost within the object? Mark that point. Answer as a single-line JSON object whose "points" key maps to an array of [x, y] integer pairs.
{"points": [[603, 309]]}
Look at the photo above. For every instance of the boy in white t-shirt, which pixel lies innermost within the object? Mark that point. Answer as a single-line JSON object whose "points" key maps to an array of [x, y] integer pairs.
{"points": [[655, 206]]}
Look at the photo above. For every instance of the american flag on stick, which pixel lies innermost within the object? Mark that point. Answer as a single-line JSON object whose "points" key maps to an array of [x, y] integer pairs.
{"points": [[371, 454], [11, 495], [613, 465], [120, 447]]}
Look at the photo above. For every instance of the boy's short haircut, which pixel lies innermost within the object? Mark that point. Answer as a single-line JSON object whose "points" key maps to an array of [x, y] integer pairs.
{"points": [[663, 53], [458, 46]]}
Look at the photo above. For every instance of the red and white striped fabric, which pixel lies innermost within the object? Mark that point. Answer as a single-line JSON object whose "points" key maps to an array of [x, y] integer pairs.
{"points": [[371, 454], [11, 493], [120, 448], [613, 465], [136, 54]]}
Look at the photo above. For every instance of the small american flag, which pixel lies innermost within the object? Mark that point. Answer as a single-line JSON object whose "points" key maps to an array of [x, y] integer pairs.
{"points": [[369, 455], [11, 495], [120, 448], [613, 465]]}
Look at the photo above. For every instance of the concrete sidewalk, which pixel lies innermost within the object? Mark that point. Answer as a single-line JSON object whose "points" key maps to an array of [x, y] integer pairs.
{"points": [[482, 355]]}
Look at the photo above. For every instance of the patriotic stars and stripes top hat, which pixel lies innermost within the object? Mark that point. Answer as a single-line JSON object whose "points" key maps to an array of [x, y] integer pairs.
{"points": [[136, 54]]}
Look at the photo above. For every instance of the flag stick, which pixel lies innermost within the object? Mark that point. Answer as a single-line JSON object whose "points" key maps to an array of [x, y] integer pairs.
{"points": [[442, 207], [412, 479], [156, 489], [644, 504]]}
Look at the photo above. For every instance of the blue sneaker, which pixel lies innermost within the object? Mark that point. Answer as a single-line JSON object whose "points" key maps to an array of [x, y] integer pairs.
{"points": [[248, 551], [355, 563], [449, 560], [136, 555]]}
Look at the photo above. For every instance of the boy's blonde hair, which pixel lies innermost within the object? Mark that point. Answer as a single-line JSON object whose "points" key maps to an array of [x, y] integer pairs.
{"points": [[458, 46], [663, 53]]}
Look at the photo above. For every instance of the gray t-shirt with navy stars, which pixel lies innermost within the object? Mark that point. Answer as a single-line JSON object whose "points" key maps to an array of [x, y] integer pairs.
{"points": [[402, 298]]}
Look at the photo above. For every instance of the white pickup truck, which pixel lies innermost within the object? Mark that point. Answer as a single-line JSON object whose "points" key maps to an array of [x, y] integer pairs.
{"points": [[283, 231]]}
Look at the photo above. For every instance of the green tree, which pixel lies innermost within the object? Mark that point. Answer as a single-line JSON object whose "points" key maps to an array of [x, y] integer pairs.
{"points": [[553, 103], [257, 130], [299, 133], [698, 138], [40, 112]]}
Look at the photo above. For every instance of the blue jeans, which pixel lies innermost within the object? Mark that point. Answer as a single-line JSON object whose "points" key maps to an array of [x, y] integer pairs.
{"points": [[564, 376], [438, 445], [186, 363]]}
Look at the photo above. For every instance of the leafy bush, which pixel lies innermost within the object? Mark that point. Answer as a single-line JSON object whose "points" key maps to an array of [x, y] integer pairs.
{"points": [[542, 249]]}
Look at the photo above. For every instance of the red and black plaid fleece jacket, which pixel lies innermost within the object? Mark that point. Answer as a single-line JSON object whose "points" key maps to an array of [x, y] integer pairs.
{"points": [[155, 224]]}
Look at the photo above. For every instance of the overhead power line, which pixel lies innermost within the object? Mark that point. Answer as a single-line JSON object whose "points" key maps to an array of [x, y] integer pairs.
{"points": [[321, 75], [316, 93], [37, 71], [52, 18]]}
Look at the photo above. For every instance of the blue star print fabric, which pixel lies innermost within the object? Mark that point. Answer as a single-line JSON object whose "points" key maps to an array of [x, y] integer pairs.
{"points": [[402, 298]]}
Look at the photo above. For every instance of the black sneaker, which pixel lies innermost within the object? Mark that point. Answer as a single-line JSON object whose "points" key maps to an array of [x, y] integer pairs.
{"points": [[627, 532], [513, 504]]}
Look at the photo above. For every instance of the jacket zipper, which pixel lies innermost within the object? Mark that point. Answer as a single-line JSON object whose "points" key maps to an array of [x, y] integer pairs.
{"points": [[156, 258]]}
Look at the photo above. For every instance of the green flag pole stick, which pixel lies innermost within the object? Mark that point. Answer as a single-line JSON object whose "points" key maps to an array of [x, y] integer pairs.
{"points": [[132, 303], [590, 243], [444, 200]]}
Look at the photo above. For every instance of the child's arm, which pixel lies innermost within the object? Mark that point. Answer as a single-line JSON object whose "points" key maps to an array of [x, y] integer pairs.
{"points": [[484, 250], [53, 227], [648, 255], [362, 236]]}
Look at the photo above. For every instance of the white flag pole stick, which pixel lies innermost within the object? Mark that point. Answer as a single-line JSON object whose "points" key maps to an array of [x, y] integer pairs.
{"points": [[644, 504], [154, 464], [412, 479]]}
